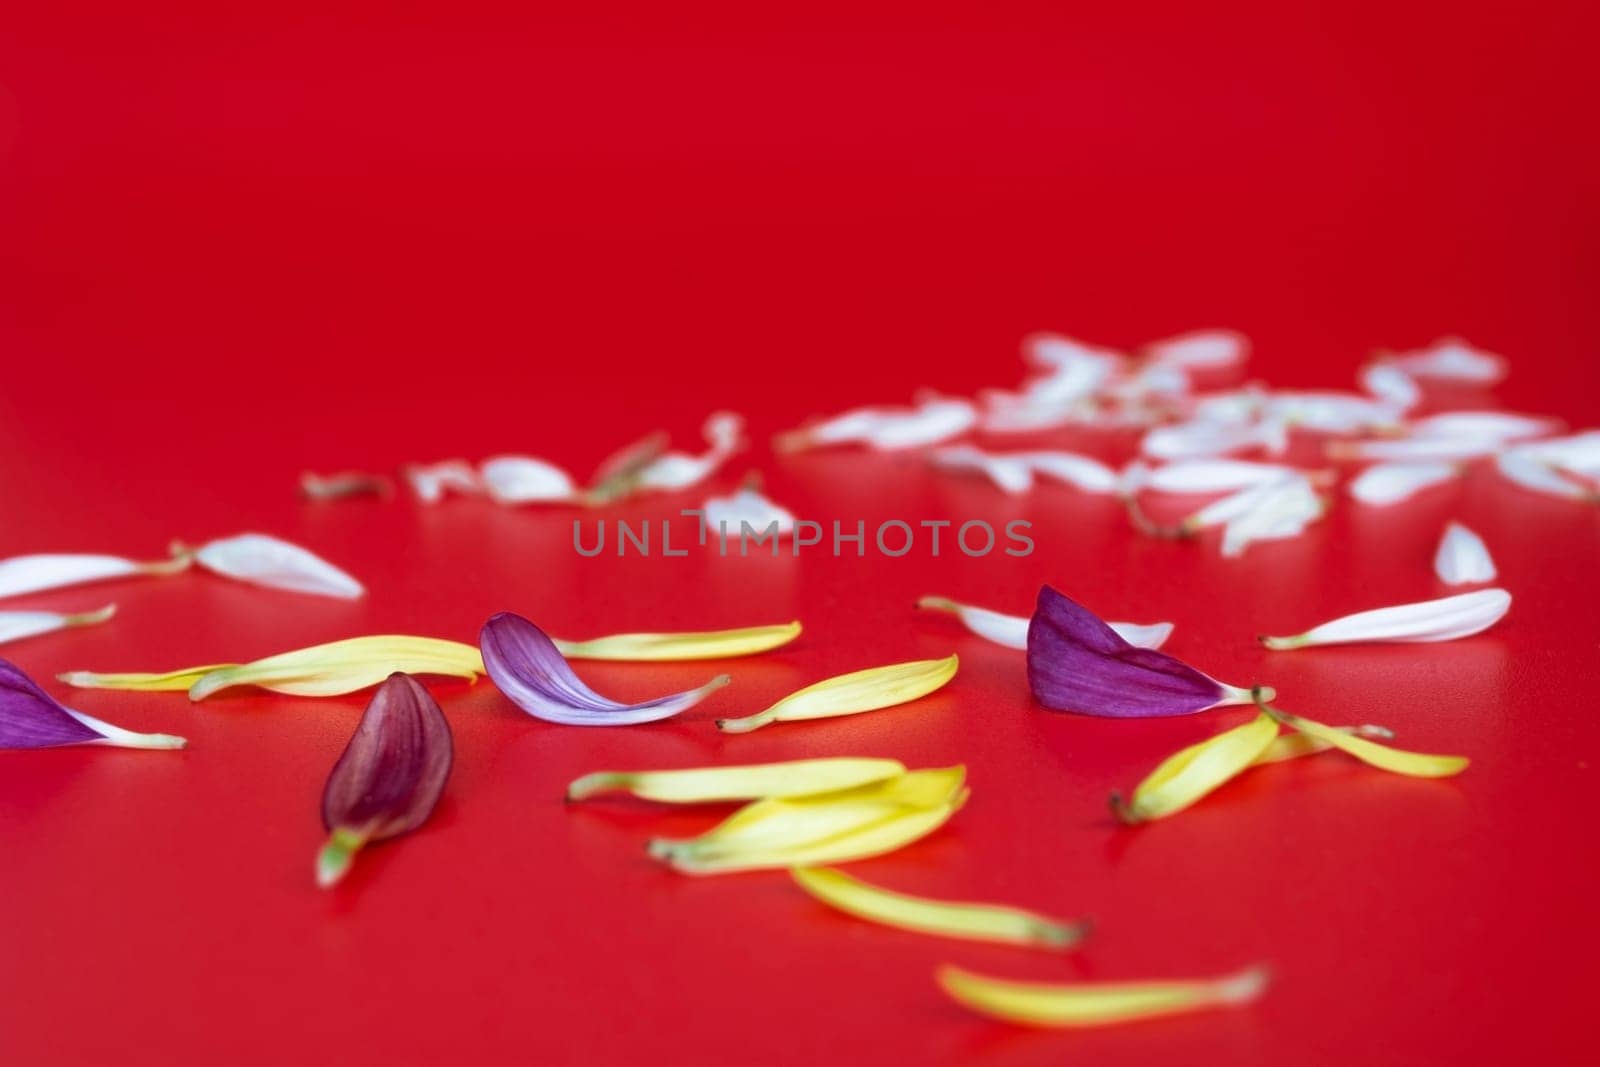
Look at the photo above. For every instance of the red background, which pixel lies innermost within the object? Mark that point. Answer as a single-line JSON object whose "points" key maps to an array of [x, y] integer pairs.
{"points": [[236, 245]]}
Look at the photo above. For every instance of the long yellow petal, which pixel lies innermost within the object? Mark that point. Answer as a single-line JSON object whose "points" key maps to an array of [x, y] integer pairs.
{"points": [[849, 694], [708, 644], [1395, 760], [972, 922], [1096, 1003], [346, 666], [1186, 776], [696, 785], [1293, 746], [822, 828], [170, 682]]}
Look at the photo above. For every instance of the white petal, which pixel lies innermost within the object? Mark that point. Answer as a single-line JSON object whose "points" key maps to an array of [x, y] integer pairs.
{"points": [[1232, 506], [1390, 483], [1084, 472], [263, 560], [1135, 477], [746, 506], [1331, 412], [526, 480], [1201, 349], [1527, 471], [1579, 453], [1431, 620], [1462, 558], [1485, 425], [431, 481], [15, 625], [1214, 475], [1283, 510], [1205, 438], [1054, 350], [724, 434], [1012, 474], [1012, 630], [1235, 406], [1391, 385], [1415, 449], [937, 419], [1454, 360], [31, 574], [117, 737]]}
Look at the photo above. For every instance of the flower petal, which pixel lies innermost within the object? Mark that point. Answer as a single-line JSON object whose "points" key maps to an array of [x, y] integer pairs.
{"points": [[169, 682], [1283, 510], [724, 434], [1391, 385], [698, 785], [344, 666], [1578, 453], [32, 574], [526, 480], [1079, 471], [431, 481], [1390, 483], [1096, 1003], [1202, 437], [390, 777], [934, 420], [1012, 630], [528, 668], [31, 718], [1398, 761], [15, 625], [1008, 473], [1078, 663], [1191, 773], [967, 921], [1213, 475], [1462, 558], [343, 484], [1524, 468], [262, 560], [821, 828], [708, 644], [1452, 359], [1482, 425], [853, 693], [1430, 620], [1293, 746], [1415, 449], [1201, 349], [729, 515]]}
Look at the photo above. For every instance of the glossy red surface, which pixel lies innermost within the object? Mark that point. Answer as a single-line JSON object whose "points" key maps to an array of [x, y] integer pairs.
{"points": [[234, 246]]}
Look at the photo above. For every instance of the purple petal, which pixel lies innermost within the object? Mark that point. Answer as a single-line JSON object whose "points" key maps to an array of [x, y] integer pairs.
{"points": [[392, 772], [527, 667], [32, 718], [1078, 663]]}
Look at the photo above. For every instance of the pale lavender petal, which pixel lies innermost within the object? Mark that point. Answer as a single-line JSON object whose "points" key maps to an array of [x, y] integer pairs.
{"points": [[526, 666], [1078, 663]]}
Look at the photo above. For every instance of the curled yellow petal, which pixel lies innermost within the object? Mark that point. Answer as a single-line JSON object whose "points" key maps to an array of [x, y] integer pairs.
{"points": [[849, 694], [170, 682], [345, 666], [1395, 760], [1186, 776], [707, 644], [706, 784], [1293, 746], [1097, 1003], [972, 922], [822, 828]]}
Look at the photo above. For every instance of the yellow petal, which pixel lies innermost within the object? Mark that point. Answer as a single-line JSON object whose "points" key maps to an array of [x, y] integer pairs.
{"points": [[1096, 1003], [1186, 776], [822, 828], [172, 681], [703, 784], [1293, 746], [973, 922], [849, 694], [1396, 760], [346, 666], [708, 644]]}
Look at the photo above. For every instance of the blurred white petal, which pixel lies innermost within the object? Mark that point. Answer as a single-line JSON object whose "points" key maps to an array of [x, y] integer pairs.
{"points": [[1135, 477], [1462, 558], [724, 434], [1205, 438], [1084, 472], [32, 574], [263, 560], [746, 506], [344, 484], [1391, 385], [1454, 360], [1213, 475], [1330, 412], [1011, 474], [1201, 349], [1415, 449], [431, 481], [1282, 510], [1390, 483], [1014, 471], [934, 420], [1579, 453], [1012, 630], [1482, 425], [526, 480], [15, 625], [1431, 620], [1524, 469], [1234, 406]]}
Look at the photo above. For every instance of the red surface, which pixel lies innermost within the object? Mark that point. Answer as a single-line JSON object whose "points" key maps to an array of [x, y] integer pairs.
{"points": [[233, 247]]}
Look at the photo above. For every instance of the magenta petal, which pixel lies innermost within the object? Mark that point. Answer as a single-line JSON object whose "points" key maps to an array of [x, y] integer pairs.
{"points": [[32, 718], [1078, 663], [392, 772], [527, 667]]}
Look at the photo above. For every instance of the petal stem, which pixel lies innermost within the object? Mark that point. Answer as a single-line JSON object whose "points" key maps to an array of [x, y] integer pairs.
{"points": [[337, 855]]}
